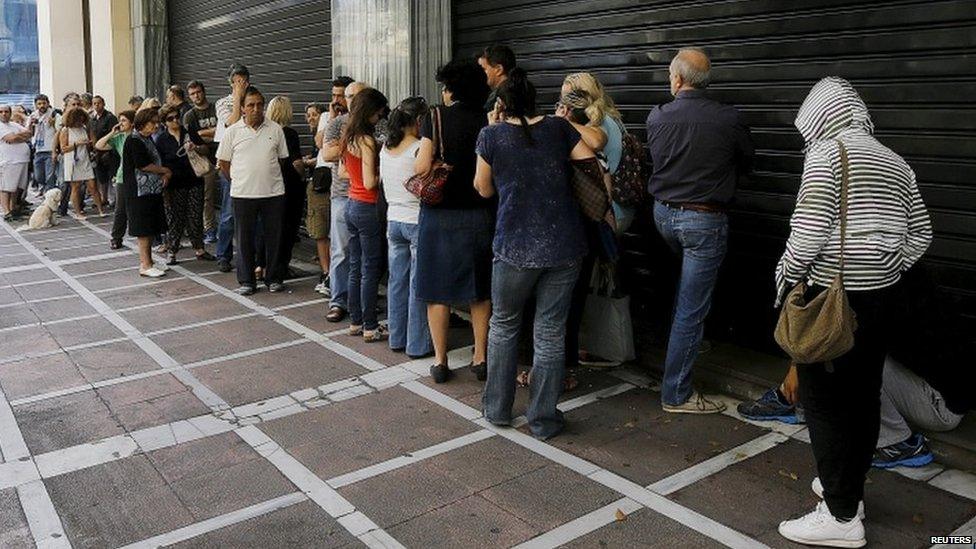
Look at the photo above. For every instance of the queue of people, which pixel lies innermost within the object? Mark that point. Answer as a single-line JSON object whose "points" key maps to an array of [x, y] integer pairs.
{"points": [[489, 203]]}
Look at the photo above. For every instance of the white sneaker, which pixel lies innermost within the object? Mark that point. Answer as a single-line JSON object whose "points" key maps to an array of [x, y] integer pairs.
{"points": [[152, 272], [697, 403], [161, 266], [817, 488], [820, 528]]}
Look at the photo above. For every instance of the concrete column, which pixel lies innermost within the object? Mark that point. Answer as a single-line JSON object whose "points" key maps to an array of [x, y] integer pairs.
{"points": [[150, 42], [61, 48], [111, 52]]}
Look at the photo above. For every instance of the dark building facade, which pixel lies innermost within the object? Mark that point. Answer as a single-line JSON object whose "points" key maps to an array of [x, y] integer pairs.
{"points": [[913, 61]]}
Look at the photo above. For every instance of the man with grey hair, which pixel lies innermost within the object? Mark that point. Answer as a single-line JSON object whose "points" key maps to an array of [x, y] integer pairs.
{"points": [[698, 147]]}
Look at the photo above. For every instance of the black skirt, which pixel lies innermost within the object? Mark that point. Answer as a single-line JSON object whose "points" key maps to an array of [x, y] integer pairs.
{"points": [[454, 255], [146, 214]]}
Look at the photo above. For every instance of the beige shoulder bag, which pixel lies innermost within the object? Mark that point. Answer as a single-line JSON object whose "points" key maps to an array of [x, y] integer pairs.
{"points": [[822, 329]]}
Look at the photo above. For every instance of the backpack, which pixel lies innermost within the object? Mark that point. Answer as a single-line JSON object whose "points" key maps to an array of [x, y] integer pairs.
{"points": [[628, 182]]}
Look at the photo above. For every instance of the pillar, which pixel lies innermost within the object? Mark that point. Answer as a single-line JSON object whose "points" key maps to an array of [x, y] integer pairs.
{"points": [[150, 43], [111, 52], [61, 48]]}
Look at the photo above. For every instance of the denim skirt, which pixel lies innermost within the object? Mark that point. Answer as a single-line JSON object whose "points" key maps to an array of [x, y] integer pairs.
{"points": [[454, 255]]}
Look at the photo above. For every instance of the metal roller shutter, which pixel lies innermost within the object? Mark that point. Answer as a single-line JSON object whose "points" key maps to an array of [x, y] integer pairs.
{"points": [[914, 62], [286, 44]]}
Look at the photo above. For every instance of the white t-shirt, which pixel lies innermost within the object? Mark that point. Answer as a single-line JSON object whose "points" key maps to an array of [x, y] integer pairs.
{"points": [[44, 132], [404, 207], [13, 153], [253, 155], [320, 159]]}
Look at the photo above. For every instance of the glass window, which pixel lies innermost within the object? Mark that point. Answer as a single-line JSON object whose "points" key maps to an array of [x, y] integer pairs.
{"points": [[19, 69]]}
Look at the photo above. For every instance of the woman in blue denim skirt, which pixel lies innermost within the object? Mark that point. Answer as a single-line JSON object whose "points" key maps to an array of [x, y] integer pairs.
{"points": [[538, 247]]}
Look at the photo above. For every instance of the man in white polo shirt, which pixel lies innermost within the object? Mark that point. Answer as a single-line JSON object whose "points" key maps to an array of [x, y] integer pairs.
{"points": [[14, 158], [249, 155]]}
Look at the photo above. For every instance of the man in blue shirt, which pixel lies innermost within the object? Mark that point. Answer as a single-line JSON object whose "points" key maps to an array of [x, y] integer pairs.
{"points": [[698, 148]]}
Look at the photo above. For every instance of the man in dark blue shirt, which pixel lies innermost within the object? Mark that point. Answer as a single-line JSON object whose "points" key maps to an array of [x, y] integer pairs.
{"points": [[698, 148]]}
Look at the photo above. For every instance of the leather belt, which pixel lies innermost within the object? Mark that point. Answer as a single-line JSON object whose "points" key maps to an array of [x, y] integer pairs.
{"points": [[703, 207]]}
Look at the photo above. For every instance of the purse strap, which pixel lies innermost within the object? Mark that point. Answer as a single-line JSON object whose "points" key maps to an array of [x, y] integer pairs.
{"points": [[438, 137], [844, 183]]}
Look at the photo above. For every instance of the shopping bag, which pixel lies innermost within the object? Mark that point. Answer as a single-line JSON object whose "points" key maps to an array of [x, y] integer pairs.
{"points": [[607, 330]]}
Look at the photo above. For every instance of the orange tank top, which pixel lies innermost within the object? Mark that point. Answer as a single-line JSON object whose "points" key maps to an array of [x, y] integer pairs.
{"points": [[358, 191]]}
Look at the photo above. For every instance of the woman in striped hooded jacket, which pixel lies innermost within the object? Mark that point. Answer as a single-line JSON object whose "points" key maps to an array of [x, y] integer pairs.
{"points": [[888, 230]]}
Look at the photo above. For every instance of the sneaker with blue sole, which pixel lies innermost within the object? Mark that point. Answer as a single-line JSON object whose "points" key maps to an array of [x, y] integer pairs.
{"points": [[912, 452], [772, 406]]}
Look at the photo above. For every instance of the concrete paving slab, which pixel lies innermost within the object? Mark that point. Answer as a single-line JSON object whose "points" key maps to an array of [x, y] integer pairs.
{"points": [[126, 261], [44, 291], [644, 528], [144, 295], [14, 532], [619, 433], [364, 431], [62, 308], [18, 260], [152, 401], [278, 372], [21, 342], [10, 296], [116, 503], [223, 339], [111, 361], [65, 421], [17, 316], [107, 281], [160, 317], [301, 525], [21, 277], [55, 251], [298, 291], [470, 522], [79, 332], [313, 316], [37, 376]]}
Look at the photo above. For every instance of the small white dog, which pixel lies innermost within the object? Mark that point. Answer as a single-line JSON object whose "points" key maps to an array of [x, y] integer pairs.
{"points": [[46, 215]]}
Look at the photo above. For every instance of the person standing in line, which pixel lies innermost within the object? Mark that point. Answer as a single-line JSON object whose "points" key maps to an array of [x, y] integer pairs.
{"points": [[14, 161], [86, 102], [114, 140], [693, 178], [106, 163], [41, 122], [318, 212], [498, 61], [888, 231], [76, 138], [184, 212], [293, 173], [228, 111], [71, 100], [454, 236], [339, 195], [360, 158], [201, 123], [176, 98], [143, 180], [249, 155], [538, 247], [407, 315], [135, 102]]}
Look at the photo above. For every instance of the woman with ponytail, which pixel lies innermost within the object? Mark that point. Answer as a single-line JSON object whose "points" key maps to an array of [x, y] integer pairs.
{"points": [[359, 152], [406, 314], [538, 246]]}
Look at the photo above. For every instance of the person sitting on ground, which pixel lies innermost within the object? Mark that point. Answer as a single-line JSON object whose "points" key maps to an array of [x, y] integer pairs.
{"points": [[249, 155], [184, 210], [360, 157], [538, 248], [115, 140]]}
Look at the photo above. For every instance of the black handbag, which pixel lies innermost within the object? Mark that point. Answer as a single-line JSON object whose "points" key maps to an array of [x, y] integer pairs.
{"points": [[322, 179]]}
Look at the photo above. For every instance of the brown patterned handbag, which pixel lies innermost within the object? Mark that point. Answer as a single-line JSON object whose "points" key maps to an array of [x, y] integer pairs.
{"points": [[429, 187]]}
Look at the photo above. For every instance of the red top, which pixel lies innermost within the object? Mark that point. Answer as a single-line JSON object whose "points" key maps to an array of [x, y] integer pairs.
{"points": [[358, 191]]}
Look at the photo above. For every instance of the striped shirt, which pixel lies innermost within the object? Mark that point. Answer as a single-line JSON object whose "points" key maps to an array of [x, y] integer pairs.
{"points": [[888, 227]]}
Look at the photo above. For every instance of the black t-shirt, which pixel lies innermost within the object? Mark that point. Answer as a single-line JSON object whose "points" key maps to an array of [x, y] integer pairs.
{"points": [[460, 125], [170, 152], [135, 155], [201, 119], [293, 142]]}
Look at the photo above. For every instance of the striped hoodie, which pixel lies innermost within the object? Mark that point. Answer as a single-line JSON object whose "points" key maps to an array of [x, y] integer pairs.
{"points": [[888, 227]]}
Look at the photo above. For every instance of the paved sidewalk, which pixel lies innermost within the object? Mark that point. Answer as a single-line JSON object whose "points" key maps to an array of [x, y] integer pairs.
{"points": [[147, 413]]}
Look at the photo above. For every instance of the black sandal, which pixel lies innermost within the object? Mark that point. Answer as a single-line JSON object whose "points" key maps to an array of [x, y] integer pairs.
{"points": [[440, 373], [116, 245], [480, 371], [335, 314]]}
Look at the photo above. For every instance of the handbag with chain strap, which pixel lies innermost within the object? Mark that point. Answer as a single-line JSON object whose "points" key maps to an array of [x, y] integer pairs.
{"points": [[823, 328], [429, 187]]}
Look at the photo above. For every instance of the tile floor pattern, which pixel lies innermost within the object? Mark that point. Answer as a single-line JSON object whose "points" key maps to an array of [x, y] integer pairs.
{"points": [[138, 413]]}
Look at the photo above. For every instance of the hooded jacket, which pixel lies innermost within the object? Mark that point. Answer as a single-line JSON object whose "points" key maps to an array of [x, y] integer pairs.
{"points": [[888, 227]]}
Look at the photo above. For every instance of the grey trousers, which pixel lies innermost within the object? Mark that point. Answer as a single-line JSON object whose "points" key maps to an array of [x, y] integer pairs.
{"points": [[908, 399]]}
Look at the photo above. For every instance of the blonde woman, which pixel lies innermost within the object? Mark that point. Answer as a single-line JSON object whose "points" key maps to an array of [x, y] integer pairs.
{"points": [[149, 103], [293, 173]]}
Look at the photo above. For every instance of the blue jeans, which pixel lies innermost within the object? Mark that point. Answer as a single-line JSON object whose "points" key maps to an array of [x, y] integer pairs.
{"points": [[43, 170], [407, 314], [701, 240], [365, 262], [225, 229], [338, 246], [511, 288]]}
